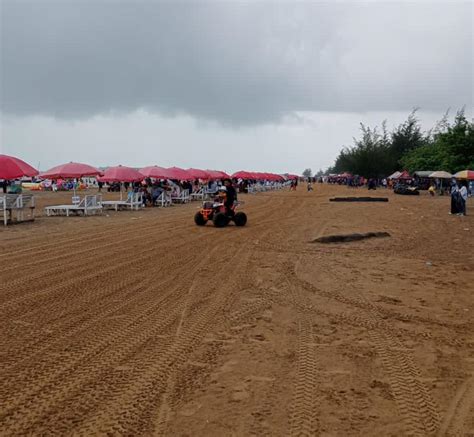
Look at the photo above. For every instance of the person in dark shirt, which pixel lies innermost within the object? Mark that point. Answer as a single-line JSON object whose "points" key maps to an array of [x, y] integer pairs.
{"points": [[231, 197]]}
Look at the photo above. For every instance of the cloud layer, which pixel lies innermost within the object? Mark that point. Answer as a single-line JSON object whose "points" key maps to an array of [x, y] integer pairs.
{"points": [[236, 63]]}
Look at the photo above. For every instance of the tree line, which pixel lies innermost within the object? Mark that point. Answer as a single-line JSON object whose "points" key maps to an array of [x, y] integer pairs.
{"points": [[377, 153]]}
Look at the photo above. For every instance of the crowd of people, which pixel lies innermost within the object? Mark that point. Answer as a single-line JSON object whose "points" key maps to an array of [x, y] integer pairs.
{"points": [[459, 190], [152, 189]]}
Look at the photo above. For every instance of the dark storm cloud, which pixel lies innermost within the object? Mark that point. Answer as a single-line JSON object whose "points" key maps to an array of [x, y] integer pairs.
{"points": [[237, 63]]}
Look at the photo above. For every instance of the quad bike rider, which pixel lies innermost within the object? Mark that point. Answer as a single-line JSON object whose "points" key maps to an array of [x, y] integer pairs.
{"points": [[222, 210]]}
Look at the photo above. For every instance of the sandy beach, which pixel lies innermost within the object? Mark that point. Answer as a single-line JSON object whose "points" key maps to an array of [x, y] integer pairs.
{"points": [[141, 323]]}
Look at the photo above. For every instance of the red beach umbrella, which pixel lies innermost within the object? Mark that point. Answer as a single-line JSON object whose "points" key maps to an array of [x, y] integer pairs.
{"points": [[195, 173], [121, 174], [217, 174], [179, 174], [243, 175], [155, 172], [14, 168], [70, 170]]}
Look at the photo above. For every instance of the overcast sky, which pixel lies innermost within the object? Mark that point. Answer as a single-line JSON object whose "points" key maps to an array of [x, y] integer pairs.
{"points": [[263, 85]]}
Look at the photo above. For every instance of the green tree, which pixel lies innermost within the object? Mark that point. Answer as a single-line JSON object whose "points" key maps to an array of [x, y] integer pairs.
{"points": [[369, 156], [406, 137], [377, 153], [451, 148], [307, 173]]}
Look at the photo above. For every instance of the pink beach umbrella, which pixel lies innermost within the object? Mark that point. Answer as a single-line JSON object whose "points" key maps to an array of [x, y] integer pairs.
{"points": [[14, 168], [217, 174], [243, 175], [70, 170], [121, 174], [179, 174], [195, 173], [155, 172]]}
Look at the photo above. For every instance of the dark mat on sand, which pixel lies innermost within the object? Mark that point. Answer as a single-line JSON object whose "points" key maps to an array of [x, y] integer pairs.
{"points": [[343, 238], [359, 199]]}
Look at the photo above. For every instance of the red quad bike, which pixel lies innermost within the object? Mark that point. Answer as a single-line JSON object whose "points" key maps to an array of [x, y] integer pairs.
{"points": [[215, 211]]}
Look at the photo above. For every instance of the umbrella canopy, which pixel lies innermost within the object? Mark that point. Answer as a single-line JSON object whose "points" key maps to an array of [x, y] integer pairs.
{"points": [[404, 175], [179, 174], [423, 173], [465, 174], [13, 168], [218, 174], [273, 177], [243, 175], [155, 172], [195, 173], [441, 175], [121, 174], [71, 170], [395, 175]]}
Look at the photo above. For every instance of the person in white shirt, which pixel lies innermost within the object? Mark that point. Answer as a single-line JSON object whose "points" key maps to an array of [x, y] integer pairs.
{"points": [[463, 193]]}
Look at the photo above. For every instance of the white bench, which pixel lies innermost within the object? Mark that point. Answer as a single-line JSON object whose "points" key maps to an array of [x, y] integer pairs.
{"points": [[17, 204], [182, 197], [87, 206], [164, 199], [198, 195], [134, 202]]}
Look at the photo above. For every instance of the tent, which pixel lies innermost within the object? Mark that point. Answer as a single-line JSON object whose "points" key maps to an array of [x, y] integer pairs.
{"points": [[404, 175], [423, 173], [395, 175], [400, 175]]}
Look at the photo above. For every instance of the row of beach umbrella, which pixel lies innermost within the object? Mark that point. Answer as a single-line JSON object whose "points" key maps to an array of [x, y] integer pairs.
{"points": [[14, 168], [440, 174]]}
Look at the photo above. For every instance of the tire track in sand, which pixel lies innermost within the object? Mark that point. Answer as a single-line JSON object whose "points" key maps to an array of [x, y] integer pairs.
{"points": [[126, 294], [127, 407], [70, 372], [80, 274], [303, 415], [459, 410], [414, 401]]}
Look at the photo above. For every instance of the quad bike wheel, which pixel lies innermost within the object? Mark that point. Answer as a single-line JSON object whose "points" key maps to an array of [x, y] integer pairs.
{"points": [[240, 219], [199, 219], [220, 220]]}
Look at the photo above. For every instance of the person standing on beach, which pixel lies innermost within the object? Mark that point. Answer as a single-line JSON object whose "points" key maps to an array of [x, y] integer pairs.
{"points": [[463, 198], [454, 198]]}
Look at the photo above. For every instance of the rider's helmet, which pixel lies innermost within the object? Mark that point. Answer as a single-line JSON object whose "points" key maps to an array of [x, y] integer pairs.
{"points": [[222, 188]]}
